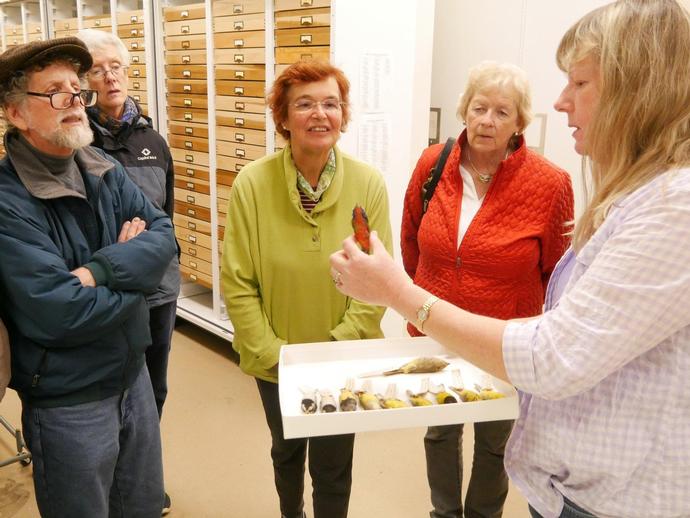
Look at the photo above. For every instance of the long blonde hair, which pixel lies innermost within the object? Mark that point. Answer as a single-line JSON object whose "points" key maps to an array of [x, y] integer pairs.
{"points": [[641, 126]]}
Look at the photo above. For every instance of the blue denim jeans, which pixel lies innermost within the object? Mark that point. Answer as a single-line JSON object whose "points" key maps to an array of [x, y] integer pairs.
{"points": [[98, 459], [570, 510]]}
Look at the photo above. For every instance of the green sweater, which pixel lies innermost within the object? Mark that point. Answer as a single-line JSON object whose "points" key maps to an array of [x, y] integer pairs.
{"points": [[275, 272]]}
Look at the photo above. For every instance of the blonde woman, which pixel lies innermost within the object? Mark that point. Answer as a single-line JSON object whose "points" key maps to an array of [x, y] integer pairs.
{"points": [[604, 426]]}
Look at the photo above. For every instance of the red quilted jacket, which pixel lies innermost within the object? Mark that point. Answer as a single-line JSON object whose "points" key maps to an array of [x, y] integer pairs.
{"points": [[509, 250]]}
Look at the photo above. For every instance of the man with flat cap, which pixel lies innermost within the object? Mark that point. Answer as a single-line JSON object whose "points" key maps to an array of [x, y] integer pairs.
{"points": [[80, 248]]}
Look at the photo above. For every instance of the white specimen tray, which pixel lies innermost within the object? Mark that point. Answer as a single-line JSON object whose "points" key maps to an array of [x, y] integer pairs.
{"points": [[328, 365]]}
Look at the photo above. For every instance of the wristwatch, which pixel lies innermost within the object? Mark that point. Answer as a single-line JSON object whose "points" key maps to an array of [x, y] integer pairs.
{"points": [[424, 311]]}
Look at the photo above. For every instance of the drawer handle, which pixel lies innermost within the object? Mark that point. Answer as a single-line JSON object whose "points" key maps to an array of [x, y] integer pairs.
{"points": [[184, 14], [136, 73], [134, 45], [239, 74], [239, 106], [66, 25], [239, 137], [188, 116], [191, 226], [186, 59], [239, 43], [190, 172], [187, 88], [193, 277], [192, 239], [191, 251], [239, 153], [190, 199], [306, 3], [133, 19], [189, 158], [239, 90], [237, 9], [238, 26], [238, 58], [239, 121], [187, 73], [192, 264], [136, 98], [305, 39], [184, 29], [187, 102], [135, 59], [190, 186], [98, 23], [188, 144], [134, 32], [185, 44], [136, 85], [191, 212], [188, 131], [238, 167], [306, 57]]}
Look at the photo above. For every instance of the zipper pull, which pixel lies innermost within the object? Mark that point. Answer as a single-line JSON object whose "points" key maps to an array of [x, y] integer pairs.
{"points": [[34, 380]]}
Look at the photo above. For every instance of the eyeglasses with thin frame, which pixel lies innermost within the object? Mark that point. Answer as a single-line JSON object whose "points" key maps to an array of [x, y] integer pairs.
{"points": [[100, 73], [65, 100], [309, 105]]}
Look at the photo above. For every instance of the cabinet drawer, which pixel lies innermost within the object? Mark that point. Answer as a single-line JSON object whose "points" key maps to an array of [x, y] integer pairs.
{"points": [[14, 30], [184, 115], [240, 56], [223, 192], [225, 179], [284, 5], [186, 57], [187, 86], [190, 129], [241, 104], [184, 12], [303, 37], [130, 31], [33, 28], [241, 120], [245, 136], [36, 37], [185, 27], [67, 24], [189, 171], [239, 23], [140, 97], [128, 17], [94, 22], [229, 164], [188, 143], [192, 211], [241, 72], [193, 184], [188, 101], [63, 34], [137, 58], [230, 7], [193, 72], [198, 277], [137, 85], [134, 44], [197, 225], [189, 157], [136, 71], [191, 238], [194, 263], [243, 151], [248, 39], [193, 198], [241, 88], [287, 55], [189, 42]]}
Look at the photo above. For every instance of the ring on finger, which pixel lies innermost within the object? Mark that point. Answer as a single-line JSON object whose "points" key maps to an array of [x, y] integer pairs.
{"points": [[337, 280]]}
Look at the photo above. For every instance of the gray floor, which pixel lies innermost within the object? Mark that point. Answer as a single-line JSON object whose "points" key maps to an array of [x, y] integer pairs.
{"points": [[216, 449]]}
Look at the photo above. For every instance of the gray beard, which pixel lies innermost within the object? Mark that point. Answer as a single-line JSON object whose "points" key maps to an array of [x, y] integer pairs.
{"points": [[76, 138]]}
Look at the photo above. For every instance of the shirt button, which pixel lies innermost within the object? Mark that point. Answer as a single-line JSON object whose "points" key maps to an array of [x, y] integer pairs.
{"points": [[314, 238], [458, 262]]}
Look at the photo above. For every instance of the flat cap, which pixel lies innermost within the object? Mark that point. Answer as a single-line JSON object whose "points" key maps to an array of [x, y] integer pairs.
{"points": [[23, 56]]}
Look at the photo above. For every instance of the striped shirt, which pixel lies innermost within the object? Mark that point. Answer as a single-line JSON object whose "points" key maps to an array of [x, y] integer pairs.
{"points": [[602, 375]]}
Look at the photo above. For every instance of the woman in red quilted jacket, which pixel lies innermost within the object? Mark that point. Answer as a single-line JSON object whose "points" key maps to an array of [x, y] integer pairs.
{"points": [[492, 233]]}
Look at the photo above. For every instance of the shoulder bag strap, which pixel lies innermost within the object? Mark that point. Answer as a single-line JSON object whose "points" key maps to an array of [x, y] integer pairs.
{"points": [[435, 174]]}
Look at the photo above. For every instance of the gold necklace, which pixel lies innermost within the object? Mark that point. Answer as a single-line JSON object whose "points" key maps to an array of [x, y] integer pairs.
{"points": [[484, 178]]}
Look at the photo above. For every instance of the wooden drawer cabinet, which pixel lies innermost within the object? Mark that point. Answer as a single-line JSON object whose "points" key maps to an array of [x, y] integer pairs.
{"points": [[241, 136], [286, 5], [194, 262], [239, 23], [190, 157], [130, 31], [287, 55], [192, 238], [186, 57], [197, 225], [137, 85], [193, 198], [241, 88], [95, 22], [192, 211], [241, 120], [14, 30], [36, 37], [189, 129], [184, 12], [187, 86], [130, 17], [241, 104], [67, 24], [225, 179], [193, 184], [140, 97], [241, 72], [136, 71], [303, 18], [230, 7], [189, 42], [240, 56], [186, 72], [189, 143], [198, 277], [242, 151], [228, 164], [134, 44], [33, 28], [191, 171], [249, 39], [188, 101], [185, 27], [223, 192], [137, 58], [186, 115], [303, 37]]}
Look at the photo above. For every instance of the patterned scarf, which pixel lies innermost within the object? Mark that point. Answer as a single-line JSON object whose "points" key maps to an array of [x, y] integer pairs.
{"points": [[129, 115], [324, 180]]}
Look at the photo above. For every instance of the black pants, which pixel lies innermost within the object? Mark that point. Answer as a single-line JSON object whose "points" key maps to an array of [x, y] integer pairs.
{"points": [[330, 464], [162, 324], [488, 485]]}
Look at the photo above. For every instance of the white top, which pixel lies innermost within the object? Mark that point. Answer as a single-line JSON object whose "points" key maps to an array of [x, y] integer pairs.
{"points": [[470, 203], [603, 373]]}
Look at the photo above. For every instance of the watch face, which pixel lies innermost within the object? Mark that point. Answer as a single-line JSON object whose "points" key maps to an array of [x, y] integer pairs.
{"points": [[422, 314]]}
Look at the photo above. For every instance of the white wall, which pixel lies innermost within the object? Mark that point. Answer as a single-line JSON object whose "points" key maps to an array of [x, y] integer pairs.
{"points": [[524, 32]]}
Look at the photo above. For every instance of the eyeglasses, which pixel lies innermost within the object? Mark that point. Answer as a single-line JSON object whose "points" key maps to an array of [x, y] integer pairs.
{"points": [[65, 100], [115, 70], [328, 106]]}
